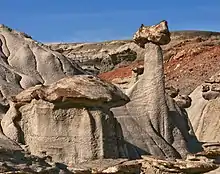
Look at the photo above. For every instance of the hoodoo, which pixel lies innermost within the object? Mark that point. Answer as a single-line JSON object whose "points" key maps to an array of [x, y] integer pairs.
{"points": [[152, 122]]}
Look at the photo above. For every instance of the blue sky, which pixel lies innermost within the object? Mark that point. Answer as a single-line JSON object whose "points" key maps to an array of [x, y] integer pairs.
{"points": [[99, 20]]}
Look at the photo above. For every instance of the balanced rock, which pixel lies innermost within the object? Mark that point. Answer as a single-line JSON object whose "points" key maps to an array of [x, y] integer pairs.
{"points": [[85, 90], [68, 120], [152, 122]]}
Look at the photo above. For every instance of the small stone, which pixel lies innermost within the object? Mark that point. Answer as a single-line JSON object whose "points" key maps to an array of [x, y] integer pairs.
{"points": [[205, 88], [183, 101], [210, 95]]}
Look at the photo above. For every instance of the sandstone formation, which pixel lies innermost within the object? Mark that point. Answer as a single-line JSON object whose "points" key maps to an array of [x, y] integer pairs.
{"points": [[34, 59], [152, 123], [204, 112], [68, 120], [50, 110], [158, 34]]}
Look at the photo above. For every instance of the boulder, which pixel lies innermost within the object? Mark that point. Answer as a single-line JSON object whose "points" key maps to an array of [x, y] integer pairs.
{"points": [[190, 166], [173, 92], [158, 34], [86, 90], [68, 120]]}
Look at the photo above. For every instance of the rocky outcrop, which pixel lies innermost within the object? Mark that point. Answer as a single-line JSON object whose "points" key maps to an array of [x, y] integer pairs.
{"points": [[68, 120], [116, 59], [152, 123], [204, 112], [25, 63], [33, 59], [14, 160]]}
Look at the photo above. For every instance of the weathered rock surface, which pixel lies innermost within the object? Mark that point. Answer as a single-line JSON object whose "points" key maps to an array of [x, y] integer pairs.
{"points": [[204, 111], [14, 160], [190, 58], [192, 165], [146, 165], [152, 123], [158, 34], [25, 63], [86, 90], [68, 120], [33, 59], [183, 101]]}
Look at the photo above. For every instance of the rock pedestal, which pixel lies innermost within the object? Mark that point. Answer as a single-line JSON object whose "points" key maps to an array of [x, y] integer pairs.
{"points": [[152, 122], [69, 120]]}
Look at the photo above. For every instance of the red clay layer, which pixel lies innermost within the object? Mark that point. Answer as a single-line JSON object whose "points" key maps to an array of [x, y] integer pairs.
{"points": [[189, 66]]}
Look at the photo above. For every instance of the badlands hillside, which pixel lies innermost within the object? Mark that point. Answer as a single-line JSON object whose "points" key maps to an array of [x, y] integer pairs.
{"points": [[149, 105], [190, 58]]}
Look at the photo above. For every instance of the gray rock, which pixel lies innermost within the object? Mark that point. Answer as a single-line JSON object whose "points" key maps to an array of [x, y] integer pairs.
{"points": [[204, 111], [152, 123], [183, 101], [172, 91], [68, 120], [204, 116], [86, 90], [33, 59], [25, 63], [14, 160], [106, 65], [210, 95], [118, 57]]}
